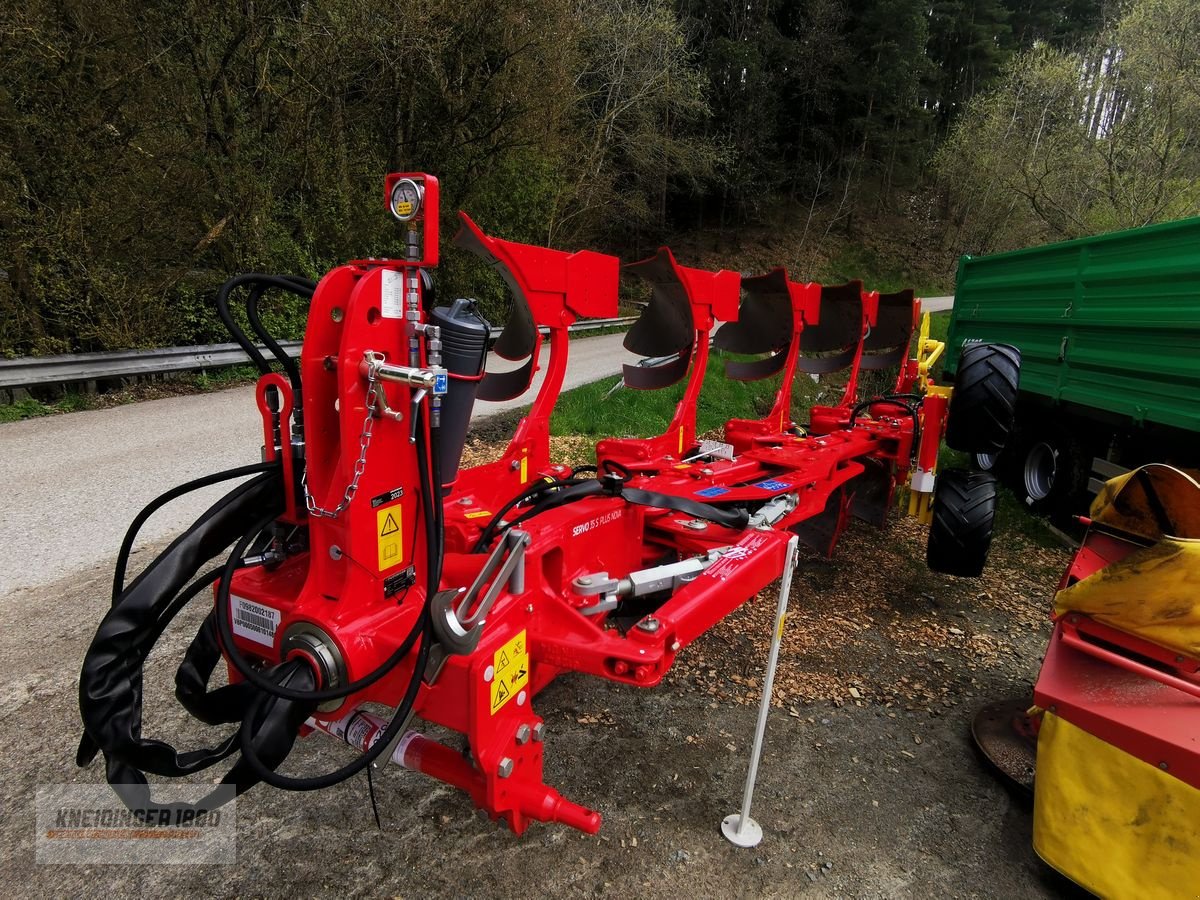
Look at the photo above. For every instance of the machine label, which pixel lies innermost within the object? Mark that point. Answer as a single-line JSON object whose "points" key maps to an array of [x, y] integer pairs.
{"points": [[254, 621], [597, 522], [510, 671], [712, 492], [772, 485], [478, 514], [391, 291], [391, 536], [393, 494]]}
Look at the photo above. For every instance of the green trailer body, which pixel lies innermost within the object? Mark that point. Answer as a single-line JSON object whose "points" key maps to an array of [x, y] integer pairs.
{"points": [[1109, 333]]}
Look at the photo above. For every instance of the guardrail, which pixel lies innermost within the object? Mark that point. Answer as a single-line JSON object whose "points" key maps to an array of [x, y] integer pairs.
{"points": [[31, 371]]}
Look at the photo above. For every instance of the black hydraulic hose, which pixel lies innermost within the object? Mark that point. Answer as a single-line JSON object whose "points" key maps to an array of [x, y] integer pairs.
{"points": [[489, 530], [285, 360], [260, 361], [579, 491], [383, 742], [259, 284], [430, 476], [162, 500]]}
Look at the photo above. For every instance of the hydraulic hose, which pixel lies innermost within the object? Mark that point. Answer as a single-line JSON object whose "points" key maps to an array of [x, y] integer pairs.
{"points": [[162, 500], [489, 530]]}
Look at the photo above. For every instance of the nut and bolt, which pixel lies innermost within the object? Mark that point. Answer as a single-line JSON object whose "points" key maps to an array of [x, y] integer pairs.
{"points": [[539, 732], [649, 625], [524, 732], [1163, 766], [335, 552], [489, 673], [696, 524], [505, 768]]}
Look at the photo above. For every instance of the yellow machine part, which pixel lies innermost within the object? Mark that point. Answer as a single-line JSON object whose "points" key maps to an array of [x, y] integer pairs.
{"points": [[1154, 592], [1110, 822]]}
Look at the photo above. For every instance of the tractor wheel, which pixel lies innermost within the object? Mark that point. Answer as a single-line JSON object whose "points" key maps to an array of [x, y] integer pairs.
{"points": [[964, 508], [984, 401]]}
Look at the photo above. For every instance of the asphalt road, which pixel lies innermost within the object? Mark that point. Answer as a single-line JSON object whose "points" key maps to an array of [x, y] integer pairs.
{"points": [[72, 483]]}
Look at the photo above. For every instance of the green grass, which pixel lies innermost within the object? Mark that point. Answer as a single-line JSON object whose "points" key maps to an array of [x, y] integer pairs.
{"points": [[26, 408], [592, 411]]}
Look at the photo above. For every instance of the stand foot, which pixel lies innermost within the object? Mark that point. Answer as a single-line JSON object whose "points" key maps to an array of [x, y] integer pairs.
{"points": [[748, 835]]}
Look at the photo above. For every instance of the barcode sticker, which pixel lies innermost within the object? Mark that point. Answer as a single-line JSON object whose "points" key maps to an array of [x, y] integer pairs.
{"points": [[254, 621]]}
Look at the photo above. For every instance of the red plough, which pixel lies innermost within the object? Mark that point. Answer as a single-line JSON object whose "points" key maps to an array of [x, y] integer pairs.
{"points": [[369, 573]]}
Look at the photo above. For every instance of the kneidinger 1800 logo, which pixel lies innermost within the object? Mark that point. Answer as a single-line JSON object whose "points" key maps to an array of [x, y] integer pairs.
{"points": [[181, 825]]}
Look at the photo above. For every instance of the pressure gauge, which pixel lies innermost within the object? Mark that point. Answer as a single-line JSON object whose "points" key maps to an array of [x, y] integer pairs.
{"points": [[406, 199]]}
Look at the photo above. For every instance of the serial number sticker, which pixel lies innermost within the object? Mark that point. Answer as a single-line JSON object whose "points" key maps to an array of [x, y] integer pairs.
{"points": [[391, 537], [772, 485], [253, 621], [510, 671], [712, 492], [391, 294]]}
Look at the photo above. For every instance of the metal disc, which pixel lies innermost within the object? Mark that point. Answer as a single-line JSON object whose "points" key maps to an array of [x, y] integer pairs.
{"points": [[1005, 735]]}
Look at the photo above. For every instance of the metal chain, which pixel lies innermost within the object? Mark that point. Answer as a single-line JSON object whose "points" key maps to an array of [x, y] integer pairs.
{"points": [[360, 465]]}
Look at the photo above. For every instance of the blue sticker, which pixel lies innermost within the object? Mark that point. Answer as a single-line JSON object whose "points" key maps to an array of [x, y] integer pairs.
{"points": [[441, 383], [771, 485], [712, 492]]}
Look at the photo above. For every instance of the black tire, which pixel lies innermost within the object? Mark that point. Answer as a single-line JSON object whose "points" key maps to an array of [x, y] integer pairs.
{"points": [[1050, 473], [964, 510], [983, 405], [985, 462]]}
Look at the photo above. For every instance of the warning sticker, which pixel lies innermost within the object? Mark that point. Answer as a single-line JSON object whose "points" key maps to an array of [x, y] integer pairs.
{"points": [[391, 536], [391, 294], [254, 621], [510, 671]]}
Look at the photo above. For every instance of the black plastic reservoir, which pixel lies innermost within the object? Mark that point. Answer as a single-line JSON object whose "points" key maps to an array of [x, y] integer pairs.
{"points": [[464, 351]]}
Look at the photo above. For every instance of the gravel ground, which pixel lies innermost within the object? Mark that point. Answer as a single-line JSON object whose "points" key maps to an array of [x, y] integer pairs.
{"points": [[869, 785]]}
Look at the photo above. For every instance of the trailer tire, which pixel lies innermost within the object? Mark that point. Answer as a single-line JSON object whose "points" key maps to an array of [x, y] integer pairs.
{"points": [[1051, 473], [983, 405], [964, 511]]}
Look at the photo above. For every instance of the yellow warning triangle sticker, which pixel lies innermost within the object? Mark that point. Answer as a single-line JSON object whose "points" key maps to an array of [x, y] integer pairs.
{"points": [[503, 661], [501, 695], [389, 526]]}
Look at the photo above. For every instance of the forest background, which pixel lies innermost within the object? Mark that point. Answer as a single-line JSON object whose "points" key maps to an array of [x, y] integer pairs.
{"points": [[150, 151]]}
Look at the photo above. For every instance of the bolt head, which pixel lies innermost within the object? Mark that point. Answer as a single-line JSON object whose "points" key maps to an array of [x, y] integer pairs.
{"points": [[524, 733], [649, 625], [489, 673], [505, 768], [539, 732]]}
